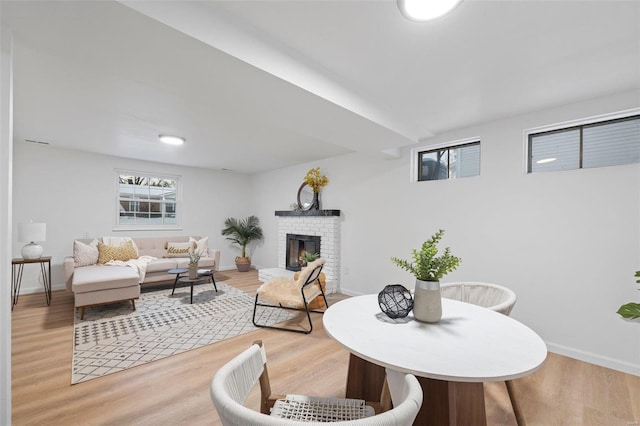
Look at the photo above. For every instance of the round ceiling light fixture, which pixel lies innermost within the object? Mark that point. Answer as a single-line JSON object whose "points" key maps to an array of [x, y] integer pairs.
{"points": [[171, 140], [426, 10]]}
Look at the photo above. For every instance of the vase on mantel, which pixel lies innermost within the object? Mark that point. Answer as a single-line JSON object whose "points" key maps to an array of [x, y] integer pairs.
{"points": [[315, 204], [427, 301]]}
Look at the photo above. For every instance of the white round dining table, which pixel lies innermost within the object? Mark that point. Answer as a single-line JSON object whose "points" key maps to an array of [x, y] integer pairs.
{"points": [[469, 345]]}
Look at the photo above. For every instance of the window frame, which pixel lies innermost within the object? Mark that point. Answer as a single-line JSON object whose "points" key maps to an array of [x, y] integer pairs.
{"points": [[567, 126], [149, 227], [416, 154]]}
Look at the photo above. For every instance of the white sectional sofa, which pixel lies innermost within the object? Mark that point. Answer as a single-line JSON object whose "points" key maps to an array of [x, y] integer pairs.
{"points": [[95, 283]]}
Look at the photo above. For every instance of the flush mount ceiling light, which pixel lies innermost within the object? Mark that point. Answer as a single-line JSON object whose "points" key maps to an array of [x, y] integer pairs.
{"points": [[425, 10], [171, 140]]}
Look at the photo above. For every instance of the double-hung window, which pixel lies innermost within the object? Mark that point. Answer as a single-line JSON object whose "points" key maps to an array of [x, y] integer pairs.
{"points": [[147, 200], [605, 142], [455, 160]]}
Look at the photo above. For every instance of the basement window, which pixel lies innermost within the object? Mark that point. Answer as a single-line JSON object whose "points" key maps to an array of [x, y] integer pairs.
{"points": [[454, 160], [146, 200], [595, 143]]}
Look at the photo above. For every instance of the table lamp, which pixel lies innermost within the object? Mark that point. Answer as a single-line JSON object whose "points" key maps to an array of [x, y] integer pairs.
{"points": [[32, 232]]}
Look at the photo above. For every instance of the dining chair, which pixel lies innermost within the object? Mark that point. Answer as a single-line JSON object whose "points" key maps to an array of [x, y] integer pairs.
{"points": [[233, 382], [296, 295], [491, 296]]}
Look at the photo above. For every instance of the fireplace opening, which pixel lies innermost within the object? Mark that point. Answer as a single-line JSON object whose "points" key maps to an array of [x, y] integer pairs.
{"points": [[297, 245]]}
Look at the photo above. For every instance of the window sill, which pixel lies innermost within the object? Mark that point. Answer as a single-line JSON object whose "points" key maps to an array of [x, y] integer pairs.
{"points": [[147, 228]]}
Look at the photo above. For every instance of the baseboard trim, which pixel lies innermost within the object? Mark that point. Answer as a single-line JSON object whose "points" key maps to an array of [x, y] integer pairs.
{"points": [[34, 290], [603, 361]]}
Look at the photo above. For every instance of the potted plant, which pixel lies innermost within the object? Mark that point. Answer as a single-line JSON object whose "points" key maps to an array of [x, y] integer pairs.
{"points": [[630, 310], [242, 232], [428, 268], [308, 257]]}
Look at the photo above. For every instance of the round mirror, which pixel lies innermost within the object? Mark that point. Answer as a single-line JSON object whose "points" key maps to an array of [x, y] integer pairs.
{"points": [[305, 197]]}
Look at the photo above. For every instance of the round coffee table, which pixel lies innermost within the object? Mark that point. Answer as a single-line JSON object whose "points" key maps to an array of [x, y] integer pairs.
{"points": [[209, 274], [177, 272], [191, 282]]}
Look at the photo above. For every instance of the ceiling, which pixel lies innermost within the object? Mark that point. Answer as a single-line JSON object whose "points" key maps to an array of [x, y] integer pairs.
{"points": [[260, 85]]}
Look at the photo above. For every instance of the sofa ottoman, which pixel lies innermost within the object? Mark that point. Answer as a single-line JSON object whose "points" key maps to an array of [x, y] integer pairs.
{"points": [[100, 284]]}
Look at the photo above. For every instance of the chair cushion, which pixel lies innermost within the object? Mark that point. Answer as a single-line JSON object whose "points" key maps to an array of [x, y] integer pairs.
{"points": [[307, 270], [285, 291], [321, 409]]}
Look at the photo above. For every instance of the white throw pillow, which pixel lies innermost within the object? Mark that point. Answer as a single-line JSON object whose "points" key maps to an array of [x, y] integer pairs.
{"points": [[202, 246], [85, 254]]}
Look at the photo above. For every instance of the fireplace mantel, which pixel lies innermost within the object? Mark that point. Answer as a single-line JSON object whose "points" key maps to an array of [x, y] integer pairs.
{"points": [[307, 212]]}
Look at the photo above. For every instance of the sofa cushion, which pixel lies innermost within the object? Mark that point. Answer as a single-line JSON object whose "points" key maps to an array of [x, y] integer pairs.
{"points": [[100, 277], [124, 252], [179, 249], [85, 254], [201, 246], [162, 265], [206, 262]]}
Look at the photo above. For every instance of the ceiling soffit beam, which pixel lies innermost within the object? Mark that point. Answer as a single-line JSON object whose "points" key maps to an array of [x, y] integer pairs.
{"points": [[213, 26]]}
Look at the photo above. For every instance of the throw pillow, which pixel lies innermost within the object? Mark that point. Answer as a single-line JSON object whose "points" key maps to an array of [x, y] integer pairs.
{"points": [[201, 246], [85, 254], [124, 252], [179, 249]]}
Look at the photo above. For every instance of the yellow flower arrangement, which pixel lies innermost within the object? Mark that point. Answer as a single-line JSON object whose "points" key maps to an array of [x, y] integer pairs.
{"points": [[315, 180]]}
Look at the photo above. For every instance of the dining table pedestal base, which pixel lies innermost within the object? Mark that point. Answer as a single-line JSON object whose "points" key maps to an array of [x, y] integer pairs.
{"points": [[444, 402]]}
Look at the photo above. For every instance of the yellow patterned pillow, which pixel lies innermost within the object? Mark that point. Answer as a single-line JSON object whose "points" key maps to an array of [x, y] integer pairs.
{"points": [[123, 252], [179, 249]]}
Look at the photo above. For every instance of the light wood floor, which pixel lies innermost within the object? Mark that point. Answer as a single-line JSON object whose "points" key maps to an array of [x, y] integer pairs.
{"points": [[175, 390]]}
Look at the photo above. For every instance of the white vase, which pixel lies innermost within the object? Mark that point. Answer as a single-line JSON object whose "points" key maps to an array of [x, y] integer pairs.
{"points": [[427, 301], [193, 272]]}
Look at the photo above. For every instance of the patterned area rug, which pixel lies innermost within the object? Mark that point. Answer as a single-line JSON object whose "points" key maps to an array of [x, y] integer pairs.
{"points": [[112, 338]]}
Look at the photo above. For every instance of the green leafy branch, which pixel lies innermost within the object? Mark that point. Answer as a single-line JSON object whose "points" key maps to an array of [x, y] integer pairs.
{"points": [[426, 266], [631, 310]]}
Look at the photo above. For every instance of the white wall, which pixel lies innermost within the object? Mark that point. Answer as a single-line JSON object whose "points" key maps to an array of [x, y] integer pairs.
{"points": [[6, 134], [567, 243], [73, 192]]}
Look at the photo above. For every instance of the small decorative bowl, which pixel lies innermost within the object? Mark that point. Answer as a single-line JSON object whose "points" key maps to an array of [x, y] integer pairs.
{"points": [[395, 301]]}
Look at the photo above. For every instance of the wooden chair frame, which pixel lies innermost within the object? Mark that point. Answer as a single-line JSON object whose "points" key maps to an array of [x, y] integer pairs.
{"points": [[314, 278], [267, 399]]}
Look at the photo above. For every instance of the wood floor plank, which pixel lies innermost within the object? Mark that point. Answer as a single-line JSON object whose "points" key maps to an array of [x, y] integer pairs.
{"points": [[175, 390]]}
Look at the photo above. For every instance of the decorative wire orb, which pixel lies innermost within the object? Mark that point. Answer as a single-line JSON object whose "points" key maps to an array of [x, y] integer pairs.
{"points": [[395, 301]]}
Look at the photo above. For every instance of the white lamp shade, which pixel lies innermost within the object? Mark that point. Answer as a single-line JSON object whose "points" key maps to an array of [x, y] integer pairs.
{"points": [[29, 232]]}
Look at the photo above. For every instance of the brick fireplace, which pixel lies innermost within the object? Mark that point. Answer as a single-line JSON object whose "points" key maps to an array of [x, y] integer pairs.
{"points": [[324, 224]]}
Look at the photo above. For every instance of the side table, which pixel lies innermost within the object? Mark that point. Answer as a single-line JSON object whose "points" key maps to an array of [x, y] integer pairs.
{"points": [[17, 266]]}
